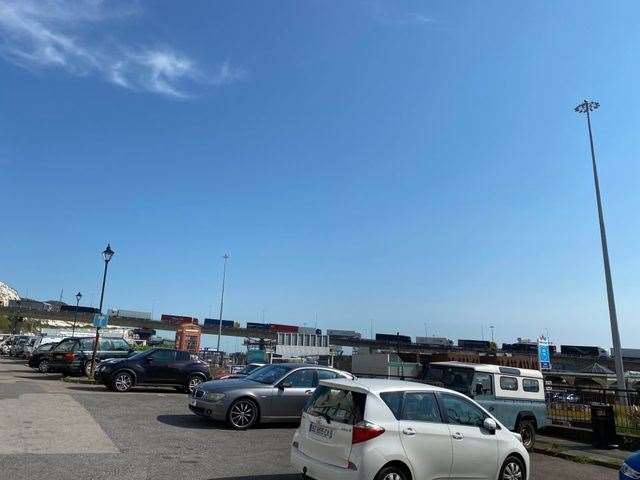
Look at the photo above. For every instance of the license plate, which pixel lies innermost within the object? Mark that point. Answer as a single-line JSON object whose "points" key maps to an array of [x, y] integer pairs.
{"points": [[193, 402], [320, 431]]}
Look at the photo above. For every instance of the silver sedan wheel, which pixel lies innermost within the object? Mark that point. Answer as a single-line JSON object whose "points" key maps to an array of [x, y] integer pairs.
{"points": [[44, 366], [512, 471], [194, 382], [243, 413], [123, 382]]}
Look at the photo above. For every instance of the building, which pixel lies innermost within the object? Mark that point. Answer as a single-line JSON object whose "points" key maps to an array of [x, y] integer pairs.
{"points": [[296, 345], [30, 304]]}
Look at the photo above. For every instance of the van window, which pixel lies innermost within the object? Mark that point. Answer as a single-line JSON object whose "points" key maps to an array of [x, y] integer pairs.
{"points": [[337, 405], [509, 383], [530, 385], [421, 407]]}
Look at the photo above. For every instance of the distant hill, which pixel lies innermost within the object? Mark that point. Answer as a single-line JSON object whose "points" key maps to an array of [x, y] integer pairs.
{"points": [[7, 293]]}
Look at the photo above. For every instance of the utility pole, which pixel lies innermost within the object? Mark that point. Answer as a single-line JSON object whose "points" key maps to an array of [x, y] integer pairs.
{"points": [[587, 107], [224, 276]]}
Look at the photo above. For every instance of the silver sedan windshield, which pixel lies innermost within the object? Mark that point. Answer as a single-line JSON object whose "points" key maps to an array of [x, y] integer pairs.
{"points": [[269, 374]]}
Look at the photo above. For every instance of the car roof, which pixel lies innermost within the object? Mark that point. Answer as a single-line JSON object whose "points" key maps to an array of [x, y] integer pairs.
{"points": [[292, 365], [380, 385], [490, 368]]}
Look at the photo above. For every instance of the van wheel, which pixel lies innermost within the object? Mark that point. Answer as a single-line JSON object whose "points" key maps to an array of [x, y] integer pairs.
{"points": [[392, 472], [528, 433], [512, 469]]}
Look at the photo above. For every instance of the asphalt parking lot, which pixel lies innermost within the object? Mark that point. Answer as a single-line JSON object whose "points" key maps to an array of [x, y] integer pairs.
{"points": [[57, 430]]}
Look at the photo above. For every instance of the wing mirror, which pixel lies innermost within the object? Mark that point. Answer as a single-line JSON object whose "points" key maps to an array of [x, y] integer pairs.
{"points": [[284, 385], [479, 390], [490, 425]]}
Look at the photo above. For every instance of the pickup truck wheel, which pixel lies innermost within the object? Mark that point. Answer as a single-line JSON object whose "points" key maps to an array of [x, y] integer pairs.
{"points": [[528, 433]]}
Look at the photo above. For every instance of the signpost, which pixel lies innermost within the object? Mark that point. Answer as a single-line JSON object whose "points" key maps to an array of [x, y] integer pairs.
{"points": [[100, 320], [544, 355]]}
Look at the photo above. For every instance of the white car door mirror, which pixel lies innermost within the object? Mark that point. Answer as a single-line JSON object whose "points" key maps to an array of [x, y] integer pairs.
{"points": [[490, 425]]}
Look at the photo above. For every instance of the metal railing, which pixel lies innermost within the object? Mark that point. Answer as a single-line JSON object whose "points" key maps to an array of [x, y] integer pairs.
{"points": [[571, 406]]}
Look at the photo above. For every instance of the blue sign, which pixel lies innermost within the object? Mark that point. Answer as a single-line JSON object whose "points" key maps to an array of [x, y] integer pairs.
{"points": [[544, 356], [100, 320]]}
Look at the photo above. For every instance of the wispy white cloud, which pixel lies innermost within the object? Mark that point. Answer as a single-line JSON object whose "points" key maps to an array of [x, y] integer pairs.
{"points": [[63, 34], [389, 14]]}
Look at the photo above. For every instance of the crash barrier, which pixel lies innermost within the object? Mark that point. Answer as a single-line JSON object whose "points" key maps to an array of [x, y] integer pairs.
{"points": [[572, 407]]}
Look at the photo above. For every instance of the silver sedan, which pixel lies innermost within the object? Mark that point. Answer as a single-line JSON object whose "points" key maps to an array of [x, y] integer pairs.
{"points": [[274, 393]]}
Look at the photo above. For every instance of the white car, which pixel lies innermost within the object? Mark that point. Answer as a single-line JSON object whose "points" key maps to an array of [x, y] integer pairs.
{"points": [[372, 429]]}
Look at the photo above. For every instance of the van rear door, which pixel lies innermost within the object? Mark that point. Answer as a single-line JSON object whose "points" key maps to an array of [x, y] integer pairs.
{"points": [[326, 428]]}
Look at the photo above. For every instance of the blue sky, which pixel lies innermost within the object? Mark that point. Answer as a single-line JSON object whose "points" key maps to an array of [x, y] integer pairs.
{"points": [[408, 162]]}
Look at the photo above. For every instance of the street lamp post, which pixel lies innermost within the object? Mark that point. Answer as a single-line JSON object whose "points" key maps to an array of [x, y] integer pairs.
{"points": [[586, 107], [75, 315], [224, 276], [106, 255]]}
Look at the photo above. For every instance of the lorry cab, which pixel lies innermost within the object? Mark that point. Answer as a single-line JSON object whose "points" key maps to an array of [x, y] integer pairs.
{"points": [[515, 396]]}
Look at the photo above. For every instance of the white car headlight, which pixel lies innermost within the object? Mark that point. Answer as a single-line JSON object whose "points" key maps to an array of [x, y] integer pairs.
{"points": [[214, 397], [629, 472]]}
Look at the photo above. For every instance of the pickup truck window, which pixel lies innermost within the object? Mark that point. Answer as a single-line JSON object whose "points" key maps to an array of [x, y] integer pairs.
{"points": [[530, 385], [482, 384], [509, 383]]}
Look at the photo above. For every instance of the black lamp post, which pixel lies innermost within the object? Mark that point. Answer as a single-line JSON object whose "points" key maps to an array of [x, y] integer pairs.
{"points": [[106, 255], [75, 315]]}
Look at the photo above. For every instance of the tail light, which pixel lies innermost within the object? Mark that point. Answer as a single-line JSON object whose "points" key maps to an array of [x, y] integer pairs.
{"points": [[364, 431], [69, 357]]}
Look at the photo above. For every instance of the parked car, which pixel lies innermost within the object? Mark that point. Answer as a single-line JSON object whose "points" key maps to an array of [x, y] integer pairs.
{"points": [[29, 346], [370, 429], [630, 469], [158, 366], [18, 345], [243, 372], [39, 359], [515, 396], [44, 339], [72, 356], [6, 343], [270, 394]]}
